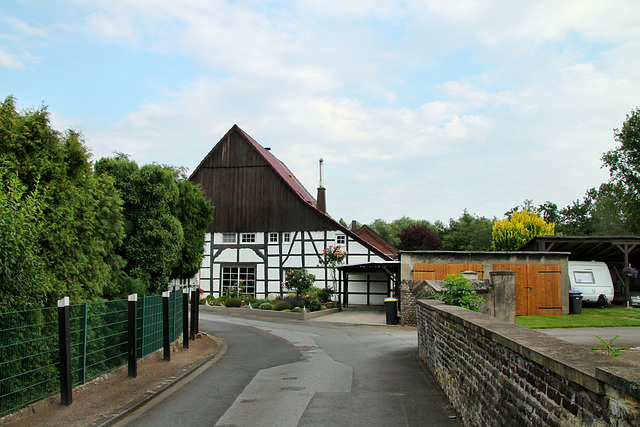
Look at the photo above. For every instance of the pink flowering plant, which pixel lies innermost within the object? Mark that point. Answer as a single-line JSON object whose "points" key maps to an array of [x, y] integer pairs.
{"points": [[234, 291], [332, 256], [299, 281]]}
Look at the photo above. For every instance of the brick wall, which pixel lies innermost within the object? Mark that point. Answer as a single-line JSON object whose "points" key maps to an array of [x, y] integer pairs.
{"points": [[498, 373], [407, 303]]}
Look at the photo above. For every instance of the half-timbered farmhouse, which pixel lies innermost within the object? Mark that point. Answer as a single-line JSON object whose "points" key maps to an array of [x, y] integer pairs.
{"points": [[266, 222]]}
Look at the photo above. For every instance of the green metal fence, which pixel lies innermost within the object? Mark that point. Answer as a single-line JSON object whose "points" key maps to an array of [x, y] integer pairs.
{"points": [[28, 357], [29, 344], [99, 338], [149, 325]]}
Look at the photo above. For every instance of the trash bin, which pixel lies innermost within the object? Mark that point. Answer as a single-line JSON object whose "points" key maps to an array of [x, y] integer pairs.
{"points": [[391, 309], [575, 302]]}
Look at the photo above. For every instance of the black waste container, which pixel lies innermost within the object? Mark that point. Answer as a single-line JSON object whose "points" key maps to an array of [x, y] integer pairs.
{"points": [[391, 309], [575, 302]]}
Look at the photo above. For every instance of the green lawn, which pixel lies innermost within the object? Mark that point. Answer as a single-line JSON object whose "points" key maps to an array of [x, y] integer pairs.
{"points": [[590, 317]]}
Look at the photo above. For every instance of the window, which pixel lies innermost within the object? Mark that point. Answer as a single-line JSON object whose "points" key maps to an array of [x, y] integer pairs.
{"points": [[248, 238], [286, 237], [341, 239], [245, 277], [584, 277], [273, 237], [228, 238]]}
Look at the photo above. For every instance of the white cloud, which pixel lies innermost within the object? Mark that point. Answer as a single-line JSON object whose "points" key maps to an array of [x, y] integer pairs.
{"points": [[10, 61], [423, 108]]}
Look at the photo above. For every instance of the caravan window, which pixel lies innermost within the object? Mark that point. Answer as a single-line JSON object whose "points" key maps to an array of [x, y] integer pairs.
{"points": [[584, 277]]}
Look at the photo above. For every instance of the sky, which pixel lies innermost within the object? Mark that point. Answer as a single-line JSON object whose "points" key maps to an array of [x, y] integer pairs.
{"points": [[418, 108]]}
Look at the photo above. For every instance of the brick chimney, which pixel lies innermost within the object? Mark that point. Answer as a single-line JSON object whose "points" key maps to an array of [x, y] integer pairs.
{"points": [[322, 197]]}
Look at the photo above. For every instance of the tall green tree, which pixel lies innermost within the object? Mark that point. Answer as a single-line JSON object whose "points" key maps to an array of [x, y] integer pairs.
{"points": [[165, 221], [624, 169], [468, 233], [391, 231], [23, 282], [195, 214], [81, 212]]}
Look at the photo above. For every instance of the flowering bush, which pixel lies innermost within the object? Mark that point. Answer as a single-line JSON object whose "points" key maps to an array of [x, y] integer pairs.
{"points": [[630, 272], [298, 281], [332, 256], [234, 291]]}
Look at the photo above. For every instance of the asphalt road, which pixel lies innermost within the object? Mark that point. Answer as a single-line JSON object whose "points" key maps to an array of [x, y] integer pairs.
{"points": [[278, 373]]}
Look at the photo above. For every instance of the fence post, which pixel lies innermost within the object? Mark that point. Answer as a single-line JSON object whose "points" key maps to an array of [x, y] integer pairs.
{"points": [[197, 312], [85, 324], [194, 314], [185, 318], [133, 335], [166, 340], [64, 344]]}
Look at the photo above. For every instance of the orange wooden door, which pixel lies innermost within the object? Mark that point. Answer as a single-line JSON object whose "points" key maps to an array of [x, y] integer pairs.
{"points": [[546, 280], [537, 288]]}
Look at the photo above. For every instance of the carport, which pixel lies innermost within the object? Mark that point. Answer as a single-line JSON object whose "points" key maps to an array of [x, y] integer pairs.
{"points": [[617, 251], [390, 268]]}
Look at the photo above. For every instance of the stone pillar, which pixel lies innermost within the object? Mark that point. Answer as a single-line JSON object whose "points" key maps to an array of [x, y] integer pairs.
{"points": [[504, 288]]}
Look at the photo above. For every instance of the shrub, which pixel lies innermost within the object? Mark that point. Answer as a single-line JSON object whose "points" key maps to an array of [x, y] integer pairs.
{"points": [[202, 301], [281, 305], [246, 299], [325, 294], [211, 300], [266, 306], [233, 302], [511, 233], [314, 304], [457, 291], [221, 300], [294, 301]]}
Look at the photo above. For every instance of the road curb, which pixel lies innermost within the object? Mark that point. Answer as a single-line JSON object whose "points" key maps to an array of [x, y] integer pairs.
{"points": [[182, 379]]}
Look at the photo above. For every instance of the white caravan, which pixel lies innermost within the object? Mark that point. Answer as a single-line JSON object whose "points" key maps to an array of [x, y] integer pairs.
{"points": [[593, 279]]}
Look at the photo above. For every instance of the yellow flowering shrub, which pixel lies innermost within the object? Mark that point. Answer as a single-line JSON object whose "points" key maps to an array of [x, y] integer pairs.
{"points": [[511, 233]]}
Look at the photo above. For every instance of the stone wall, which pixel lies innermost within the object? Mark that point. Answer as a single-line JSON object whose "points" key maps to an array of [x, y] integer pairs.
{"points": [[498, 296], [498, 373]]}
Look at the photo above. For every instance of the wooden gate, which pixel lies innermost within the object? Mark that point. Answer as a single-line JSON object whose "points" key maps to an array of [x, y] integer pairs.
{"points": [[537, 288], [440, 271]]}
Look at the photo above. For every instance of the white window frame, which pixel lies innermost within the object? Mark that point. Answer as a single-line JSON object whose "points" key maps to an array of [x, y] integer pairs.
{"points": [[286, 237], [273, 237], [341, 239], [229, 238], [230, 275], [584, 277], [248, 237]]}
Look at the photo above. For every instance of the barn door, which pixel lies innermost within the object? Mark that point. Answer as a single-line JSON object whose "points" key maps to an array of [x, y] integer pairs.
{"points": [[440, 271], [547, 288], [537, 288]]}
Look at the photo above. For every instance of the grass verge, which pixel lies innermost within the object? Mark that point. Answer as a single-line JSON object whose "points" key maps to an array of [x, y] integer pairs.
{"points": [[590, 317]]}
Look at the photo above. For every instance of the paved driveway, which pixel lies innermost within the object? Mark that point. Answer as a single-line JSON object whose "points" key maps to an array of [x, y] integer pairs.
{"points": [[628, 335]]}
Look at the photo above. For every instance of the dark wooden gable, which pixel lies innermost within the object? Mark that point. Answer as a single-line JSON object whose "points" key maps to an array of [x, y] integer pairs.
{"points": [[252, 191]]}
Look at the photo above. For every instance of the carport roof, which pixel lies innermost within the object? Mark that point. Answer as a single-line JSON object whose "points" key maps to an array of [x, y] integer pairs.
{"points": [[610, 249], [391, 266]]}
